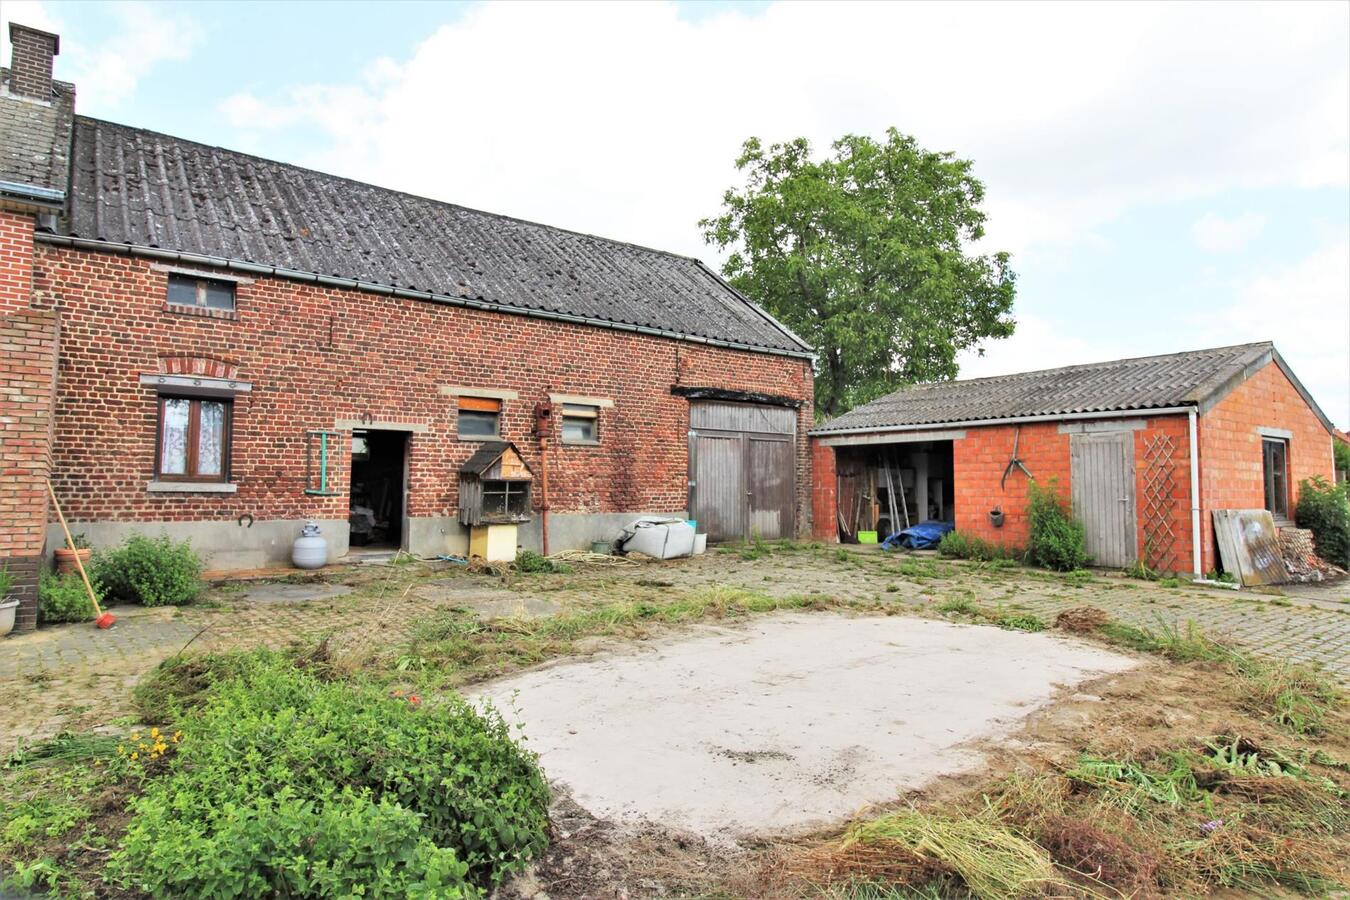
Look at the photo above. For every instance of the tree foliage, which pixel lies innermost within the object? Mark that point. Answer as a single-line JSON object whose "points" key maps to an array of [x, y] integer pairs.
{"points": [[865, 255]]}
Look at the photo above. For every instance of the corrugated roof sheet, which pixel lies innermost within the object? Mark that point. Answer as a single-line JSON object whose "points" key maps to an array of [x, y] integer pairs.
{"points": [[1149, 382], [139, 187]]}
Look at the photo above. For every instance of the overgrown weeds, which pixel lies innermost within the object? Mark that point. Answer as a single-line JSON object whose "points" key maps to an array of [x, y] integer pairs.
{"points": [[1294, 696], [960, 545], [454, 647]]}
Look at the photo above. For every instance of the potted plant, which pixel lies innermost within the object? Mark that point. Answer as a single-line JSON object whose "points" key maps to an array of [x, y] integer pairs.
{"points": [[7, 606], [65, 557]]}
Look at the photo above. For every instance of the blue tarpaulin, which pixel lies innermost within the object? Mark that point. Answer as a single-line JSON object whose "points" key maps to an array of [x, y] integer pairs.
{"points": [[924, 536]]}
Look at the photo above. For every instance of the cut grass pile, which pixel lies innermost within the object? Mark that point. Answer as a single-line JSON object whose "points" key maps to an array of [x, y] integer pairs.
{"points": [[1204, 814], [1177, 824]]}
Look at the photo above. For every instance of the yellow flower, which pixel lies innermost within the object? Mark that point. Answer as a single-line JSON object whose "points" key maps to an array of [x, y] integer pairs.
{"points": [[134, 755], [135, 735], [121, 751], [177, 736], [161, 747], [154, 732]]}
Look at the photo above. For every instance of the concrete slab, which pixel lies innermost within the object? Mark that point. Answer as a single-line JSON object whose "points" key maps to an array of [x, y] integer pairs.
{"points": [[788, 723], [294, 593], [487, 602]]}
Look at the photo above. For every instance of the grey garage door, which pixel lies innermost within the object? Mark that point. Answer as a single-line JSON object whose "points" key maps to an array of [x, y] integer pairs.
{"points": [[1102, 472], [742, 475]]}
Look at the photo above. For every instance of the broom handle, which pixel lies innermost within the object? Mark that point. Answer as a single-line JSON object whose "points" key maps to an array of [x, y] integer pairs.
{"points": [[70, 542]]}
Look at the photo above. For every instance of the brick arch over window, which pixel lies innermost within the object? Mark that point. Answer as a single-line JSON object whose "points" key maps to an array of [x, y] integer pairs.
{"points": [[204, 366]]}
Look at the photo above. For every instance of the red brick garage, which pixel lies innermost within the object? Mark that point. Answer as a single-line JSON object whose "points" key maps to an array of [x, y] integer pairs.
{"points": [[1119, 438]]}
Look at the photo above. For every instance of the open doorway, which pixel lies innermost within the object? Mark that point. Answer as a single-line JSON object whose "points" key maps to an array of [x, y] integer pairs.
{"points": [[379, 463], [888, 487]]}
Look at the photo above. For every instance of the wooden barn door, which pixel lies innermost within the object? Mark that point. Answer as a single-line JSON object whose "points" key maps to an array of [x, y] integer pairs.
{"points": [[1102, 474], [742, 470]]}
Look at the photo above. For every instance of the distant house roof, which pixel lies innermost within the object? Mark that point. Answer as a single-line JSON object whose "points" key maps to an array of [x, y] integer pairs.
{"points": [[1196, 378], [137, 187]]}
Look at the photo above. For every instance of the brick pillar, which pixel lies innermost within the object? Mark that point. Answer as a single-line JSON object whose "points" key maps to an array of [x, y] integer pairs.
{"points": [[30, 68], [824, 493], [28, 350]]}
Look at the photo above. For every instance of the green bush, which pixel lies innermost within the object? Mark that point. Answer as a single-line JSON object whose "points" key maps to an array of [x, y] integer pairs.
{"points": [[530, 563], [6, 582], [150, 571], [1056, 540], [959, 545], [62, 598], [1325, 510], [290, 783], [1341, 453]]}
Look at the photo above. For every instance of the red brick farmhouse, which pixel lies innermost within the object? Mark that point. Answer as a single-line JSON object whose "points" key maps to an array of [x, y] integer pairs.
{"points": [[221, 346], [1145, 448]]}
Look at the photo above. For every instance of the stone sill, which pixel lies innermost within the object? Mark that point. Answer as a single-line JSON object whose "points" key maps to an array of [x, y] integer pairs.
{"points": [[192, 487]]}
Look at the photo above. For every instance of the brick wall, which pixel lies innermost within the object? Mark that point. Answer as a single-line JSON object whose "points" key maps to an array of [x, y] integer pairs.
{"points": [[1230, 447], [315, 355], [978, 462], [28, 342], [31, 66], [982, 455], [16, 262]]}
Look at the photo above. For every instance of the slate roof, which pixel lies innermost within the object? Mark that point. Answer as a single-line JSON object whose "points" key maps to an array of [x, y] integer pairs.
{"points": [[35, 137], [132, 186], [1193, 378]]}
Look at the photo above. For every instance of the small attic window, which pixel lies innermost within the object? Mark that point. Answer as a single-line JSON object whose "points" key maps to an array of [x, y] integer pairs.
{"points": [[200, 293]]}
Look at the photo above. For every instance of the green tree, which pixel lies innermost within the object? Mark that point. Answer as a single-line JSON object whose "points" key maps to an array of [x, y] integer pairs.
{"points": [[865, 255]]}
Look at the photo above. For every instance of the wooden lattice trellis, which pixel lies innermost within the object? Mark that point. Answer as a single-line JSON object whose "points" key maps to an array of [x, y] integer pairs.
{"points": [[1159, 484]]}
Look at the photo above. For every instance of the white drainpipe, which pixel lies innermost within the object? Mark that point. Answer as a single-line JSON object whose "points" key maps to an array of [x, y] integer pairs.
{"points": [[1195, 495]]}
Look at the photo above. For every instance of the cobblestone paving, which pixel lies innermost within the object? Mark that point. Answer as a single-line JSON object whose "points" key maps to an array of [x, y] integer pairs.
{"points": [[77, 675]]}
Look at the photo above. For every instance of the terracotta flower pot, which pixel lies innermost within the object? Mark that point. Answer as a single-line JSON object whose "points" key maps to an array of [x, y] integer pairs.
{"points": [[65, 559]]}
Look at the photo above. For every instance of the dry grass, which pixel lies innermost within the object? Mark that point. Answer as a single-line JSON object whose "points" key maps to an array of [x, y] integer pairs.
{"points": [[1081, 619]]}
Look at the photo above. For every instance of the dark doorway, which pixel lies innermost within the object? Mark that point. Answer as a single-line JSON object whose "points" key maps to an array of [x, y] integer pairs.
{"points": [[378, 484], [888, 487]]}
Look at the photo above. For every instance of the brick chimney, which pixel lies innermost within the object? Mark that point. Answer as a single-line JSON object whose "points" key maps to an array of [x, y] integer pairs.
{"points": [[30, 68]]}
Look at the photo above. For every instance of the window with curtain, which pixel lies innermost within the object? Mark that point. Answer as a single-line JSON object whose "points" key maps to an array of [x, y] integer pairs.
{"points": [[194, 439]]}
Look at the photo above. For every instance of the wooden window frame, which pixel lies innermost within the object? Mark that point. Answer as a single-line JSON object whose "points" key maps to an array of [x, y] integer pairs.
{"points": [[588, 411], [201, 282], [480, 405], [1268, 478], [194, 432]]}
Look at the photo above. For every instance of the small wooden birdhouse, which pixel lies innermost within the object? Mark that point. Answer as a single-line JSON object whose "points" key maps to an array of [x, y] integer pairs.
{"points": [[494, 486]]}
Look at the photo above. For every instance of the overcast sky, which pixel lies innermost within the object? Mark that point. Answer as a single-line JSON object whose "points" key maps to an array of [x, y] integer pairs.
{"points": [[1166, 177]]}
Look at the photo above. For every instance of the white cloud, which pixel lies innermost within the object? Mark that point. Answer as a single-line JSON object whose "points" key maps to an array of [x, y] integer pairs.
{"points": [[1215, 234], [106, 71], [1305, 309], [624, 119], [1040, 343]]}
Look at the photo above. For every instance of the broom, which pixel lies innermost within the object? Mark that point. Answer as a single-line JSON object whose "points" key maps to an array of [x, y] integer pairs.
{"points": [[105, 619]]}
